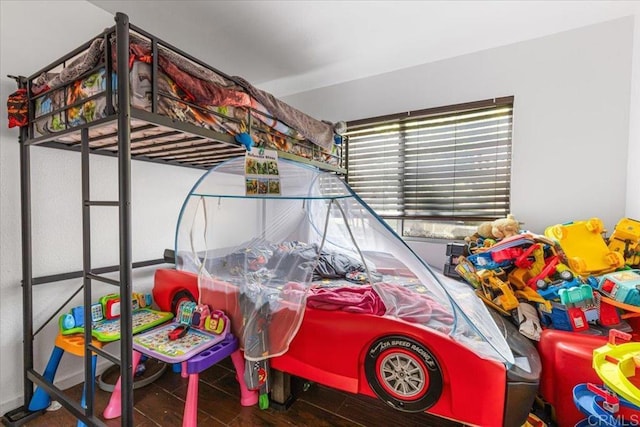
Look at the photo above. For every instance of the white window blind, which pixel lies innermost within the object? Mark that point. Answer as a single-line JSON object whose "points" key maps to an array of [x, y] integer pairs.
{"points": [[445, 164]]}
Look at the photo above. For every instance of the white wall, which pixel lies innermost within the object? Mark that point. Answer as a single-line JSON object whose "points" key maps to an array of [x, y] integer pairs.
{"points": [[633, 178], [157, 195], [571, 117]]}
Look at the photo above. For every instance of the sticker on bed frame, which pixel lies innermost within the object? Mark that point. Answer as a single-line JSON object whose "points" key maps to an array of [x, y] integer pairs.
{"points": [[262, 174]]}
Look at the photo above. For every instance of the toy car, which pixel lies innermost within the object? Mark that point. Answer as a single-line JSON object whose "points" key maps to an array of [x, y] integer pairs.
{"points": [[318, 286], [409, 367], [625, 240], [622, 286], [584, 247]]}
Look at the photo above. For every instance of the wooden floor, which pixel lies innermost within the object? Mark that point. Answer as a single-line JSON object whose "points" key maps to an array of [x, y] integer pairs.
{"points": [[161, 404]]}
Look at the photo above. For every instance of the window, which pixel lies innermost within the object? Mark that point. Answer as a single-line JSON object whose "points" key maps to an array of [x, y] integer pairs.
{"points": [[437, 172]]}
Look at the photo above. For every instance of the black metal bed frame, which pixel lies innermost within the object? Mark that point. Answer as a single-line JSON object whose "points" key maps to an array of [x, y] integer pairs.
{"points": [[122, 114]]}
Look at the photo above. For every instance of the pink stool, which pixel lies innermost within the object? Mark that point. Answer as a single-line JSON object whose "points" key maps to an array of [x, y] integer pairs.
{"points": [[191, 368]]}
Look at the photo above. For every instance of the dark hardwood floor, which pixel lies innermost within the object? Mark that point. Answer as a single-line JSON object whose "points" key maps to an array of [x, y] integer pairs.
{"points": [[161, 404]]}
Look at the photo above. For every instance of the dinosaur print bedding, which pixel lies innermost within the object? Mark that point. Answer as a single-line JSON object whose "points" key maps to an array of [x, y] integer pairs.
{"points": [[186, 92]]}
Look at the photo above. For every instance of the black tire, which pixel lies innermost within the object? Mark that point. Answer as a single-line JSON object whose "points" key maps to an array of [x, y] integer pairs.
{"points": [[542, 284], [403, 373], [180, 296]]}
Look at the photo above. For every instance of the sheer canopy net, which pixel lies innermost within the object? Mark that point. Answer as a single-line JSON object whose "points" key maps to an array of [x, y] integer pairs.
{"points": [[264, 258]]}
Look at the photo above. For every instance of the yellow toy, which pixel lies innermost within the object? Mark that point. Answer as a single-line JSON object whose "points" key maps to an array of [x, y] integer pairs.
{"points": [[616, 365], [626, 240], [585, 248], [495, 292], [505, 227], [524, 292]]}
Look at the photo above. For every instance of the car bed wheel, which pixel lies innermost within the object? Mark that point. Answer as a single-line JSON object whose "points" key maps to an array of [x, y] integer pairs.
{"points": [[178, 298], [403, 373]]}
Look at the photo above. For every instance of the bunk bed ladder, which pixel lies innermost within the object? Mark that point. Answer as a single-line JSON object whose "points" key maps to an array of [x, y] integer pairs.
{"points": [[88, 275], [123, 204], [125, 262]]}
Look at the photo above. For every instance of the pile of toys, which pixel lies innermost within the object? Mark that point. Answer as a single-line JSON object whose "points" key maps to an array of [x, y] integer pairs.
{"points": [[571, 278]]}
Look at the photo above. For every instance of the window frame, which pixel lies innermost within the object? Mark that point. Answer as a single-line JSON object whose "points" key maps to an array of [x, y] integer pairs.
{"points": [[463, 225]]}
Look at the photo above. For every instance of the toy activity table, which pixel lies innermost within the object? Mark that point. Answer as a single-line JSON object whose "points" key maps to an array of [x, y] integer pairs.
{"points": [[103, 332], [108, 330], [73, 344], [156, 343], [197, 350]]}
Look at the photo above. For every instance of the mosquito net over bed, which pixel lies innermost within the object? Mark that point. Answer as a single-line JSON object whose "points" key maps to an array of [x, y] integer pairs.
{"points": [[265, 258]]}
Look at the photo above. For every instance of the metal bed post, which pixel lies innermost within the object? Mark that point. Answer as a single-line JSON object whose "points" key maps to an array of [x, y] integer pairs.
{"points": [[154, 75], [108, 67], [27, 262], [124, 173], [89, 380]]}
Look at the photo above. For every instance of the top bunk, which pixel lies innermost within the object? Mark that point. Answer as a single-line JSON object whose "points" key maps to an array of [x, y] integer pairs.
{"points": [[182, 111]]}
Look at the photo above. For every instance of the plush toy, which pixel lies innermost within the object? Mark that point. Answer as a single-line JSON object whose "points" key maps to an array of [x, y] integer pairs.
{"points": [[485, 230], [482, 237], [505, 227]]}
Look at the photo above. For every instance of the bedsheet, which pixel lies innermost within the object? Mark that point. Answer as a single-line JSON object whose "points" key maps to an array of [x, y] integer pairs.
{"points": [[187, 92], [52, 104]]}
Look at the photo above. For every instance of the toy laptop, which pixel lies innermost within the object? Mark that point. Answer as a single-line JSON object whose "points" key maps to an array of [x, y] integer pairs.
{"points": [[105, 317], [195, 328]]}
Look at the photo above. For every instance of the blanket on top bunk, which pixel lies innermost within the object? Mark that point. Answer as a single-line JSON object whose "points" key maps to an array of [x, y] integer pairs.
{"points": [[200, 86], [318, 132], [72, 71]]}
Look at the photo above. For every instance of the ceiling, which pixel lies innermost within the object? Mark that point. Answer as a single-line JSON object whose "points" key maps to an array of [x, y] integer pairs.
{"points": [[286, 47]]}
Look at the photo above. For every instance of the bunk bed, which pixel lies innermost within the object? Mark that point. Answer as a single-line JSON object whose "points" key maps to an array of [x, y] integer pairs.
{"points": [[128, 94]]}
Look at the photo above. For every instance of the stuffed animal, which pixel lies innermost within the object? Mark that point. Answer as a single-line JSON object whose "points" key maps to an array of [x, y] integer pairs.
{"points": [[482, 237], [502, 228], [485, 230]]}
